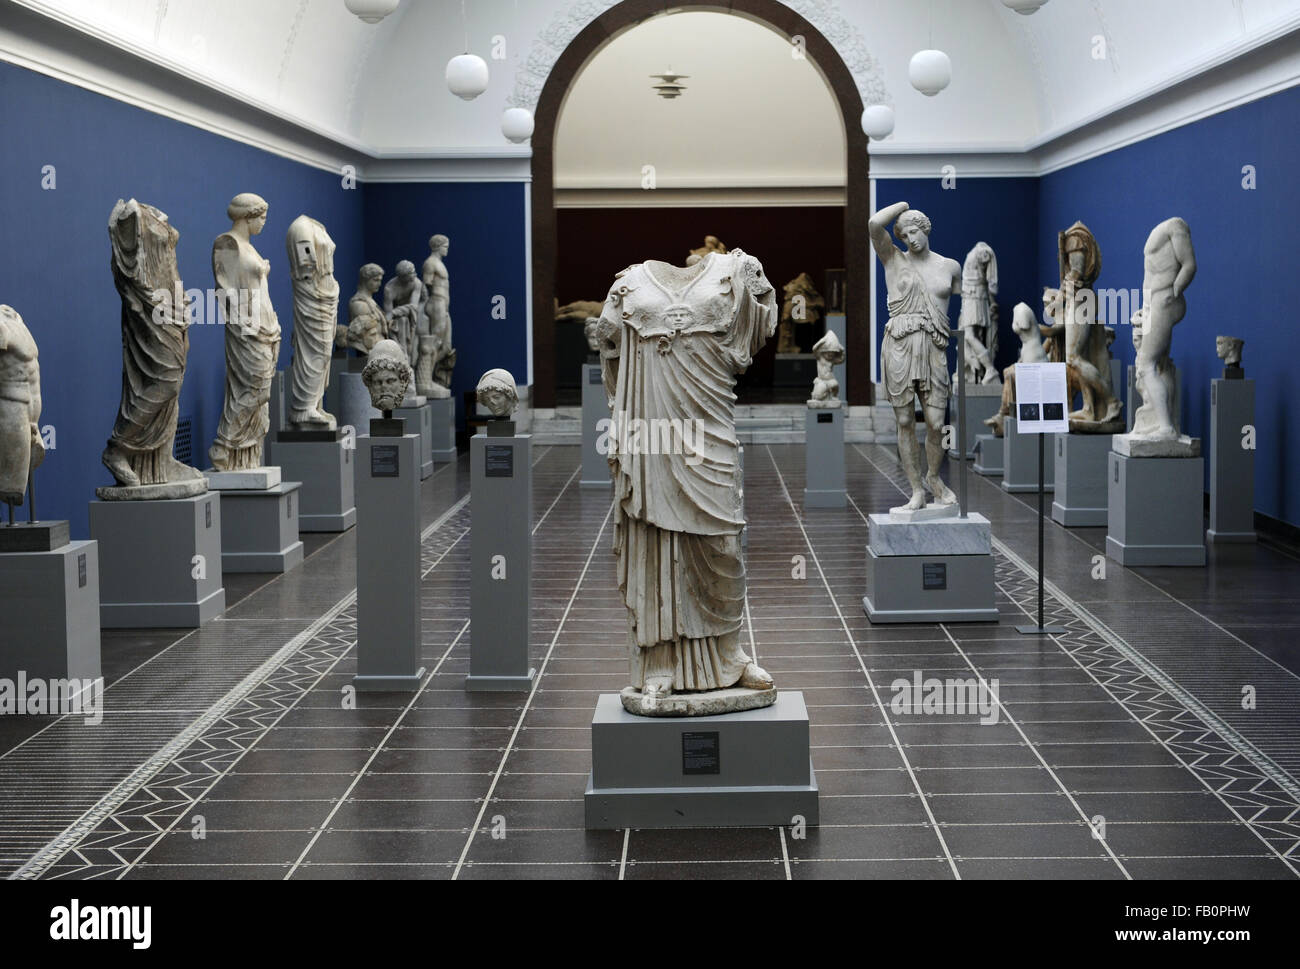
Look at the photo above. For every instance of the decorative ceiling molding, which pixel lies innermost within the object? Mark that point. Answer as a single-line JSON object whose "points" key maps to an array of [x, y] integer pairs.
{"points": [[825, 15]]}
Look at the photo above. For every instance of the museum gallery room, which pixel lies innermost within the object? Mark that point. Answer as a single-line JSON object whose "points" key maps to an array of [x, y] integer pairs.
{"points": [[770, 439]]}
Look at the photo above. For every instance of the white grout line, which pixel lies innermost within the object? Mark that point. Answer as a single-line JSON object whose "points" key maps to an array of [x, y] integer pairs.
{"points": [[785, 854], [622, 862], [537, 682], [871, 683], [557, 499]]}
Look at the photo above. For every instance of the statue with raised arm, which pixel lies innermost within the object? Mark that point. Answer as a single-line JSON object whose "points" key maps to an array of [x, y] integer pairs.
{"points": [[367, 324], [436, 358], [979, 313], [914, 353]]}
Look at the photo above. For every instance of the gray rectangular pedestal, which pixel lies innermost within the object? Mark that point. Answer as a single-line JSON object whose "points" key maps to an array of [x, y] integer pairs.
{"points": [[1081, 497], [160, 562], [259, 529], [1156, 511], [51, 613], [1020, 460], [500, 562], [325, 468], [932, 571], [824, 459], [988, 455], [1232, 466], [443, 416], [419, 420], [744, 769], [982, 402], [388, 565], [595, 408]]}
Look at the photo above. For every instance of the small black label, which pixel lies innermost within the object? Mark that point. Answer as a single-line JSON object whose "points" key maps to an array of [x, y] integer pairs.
{"points": [[825, 418], [385, 461], [1117, 472], [594, 376], [207, 515], [934, 576], [1060, 445], [499, 460], [81, 571], [700, 754]]}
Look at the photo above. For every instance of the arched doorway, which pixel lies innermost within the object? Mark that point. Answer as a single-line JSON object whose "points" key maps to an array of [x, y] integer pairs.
{"points": [[857, 208]]}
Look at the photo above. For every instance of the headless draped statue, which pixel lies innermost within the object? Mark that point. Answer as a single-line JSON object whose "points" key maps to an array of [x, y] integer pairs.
{"points": [[252, 337], [315, 320], [672, 342]]}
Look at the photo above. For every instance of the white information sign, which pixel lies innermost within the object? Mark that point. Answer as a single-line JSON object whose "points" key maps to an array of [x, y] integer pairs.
{"points": [[1041, 399]]}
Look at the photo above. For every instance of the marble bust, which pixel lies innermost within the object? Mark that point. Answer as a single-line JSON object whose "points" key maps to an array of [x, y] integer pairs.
{"points": [[1228, 349], [155, 347], [252, 337], [387, 375], [315, 320], [367, 324], [914, 357], [497, 393], [21, 448], [826, 389]]}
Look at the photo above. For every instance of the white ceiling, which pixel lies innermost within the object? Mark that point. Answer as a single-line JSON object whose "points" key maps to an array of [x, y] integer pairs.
{"points": [[1018, 81]]}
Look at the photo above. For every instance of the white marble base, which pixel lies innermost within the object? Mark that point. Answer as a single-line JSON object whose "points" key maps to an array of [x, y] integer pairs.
{"points": [[1132, 446], [708, 704], [835, 404], [253, 479], [413, 401], [931, 512], [947, 536]]}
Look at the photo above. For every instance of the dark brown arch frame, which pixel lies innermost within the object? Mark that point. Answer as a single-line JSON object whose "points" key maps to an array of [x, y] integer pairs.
{"points": [[857, 209]]}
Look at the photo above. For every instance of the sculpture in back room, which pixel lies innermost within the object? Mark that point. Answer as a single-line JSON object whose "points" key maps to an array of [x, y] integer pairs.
{"points": [[155, 345], [711, 244], [367, 324], [979, 313], [672, 342], [21, 448], [803, 306], [1073, 308], [914, 352], [387, 375], [437, 357], [498, 393], [315, 319], [1170, 266], [826, 389], [252, 337], [404, 297]]}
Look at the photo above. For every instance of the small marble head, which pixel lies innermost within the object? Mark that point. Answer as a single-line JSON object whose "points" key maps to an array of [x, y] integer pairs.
{"points": [[387, 376], [497, 392], [406, 269], [370, 278], [913, 230], [1229, 350], [439, 245], [250, 208], [589, 330]]}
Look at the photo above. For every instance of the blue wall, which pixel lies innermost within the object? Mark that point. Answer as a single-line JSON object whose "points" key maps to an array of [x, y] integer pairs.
{"points": [[1246, 263], [485, 223], [1000, 211], [55, 254]]}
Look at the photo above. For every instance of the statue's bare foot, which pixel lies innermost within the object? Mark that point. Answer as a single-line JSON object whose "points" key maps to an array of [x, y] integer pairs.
{"points": [[120, 468], [657, 687], [755, 678], [942, 493], [917, 502], [990, 376]]}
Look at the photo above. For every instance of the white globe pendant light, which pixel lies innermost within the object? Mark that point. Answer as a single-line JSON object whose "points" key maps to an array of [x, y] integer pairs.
{"points": [[372, 11], [930, 71], [517, 125], [878, 121], [1024, 7], [467, 76]]}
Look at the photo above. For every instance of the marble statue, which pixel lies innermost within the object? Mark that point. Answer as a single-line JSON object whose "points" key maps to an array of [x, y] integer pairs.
{"points": [[437, 357], [589, 331], [1170, 267], [1228, 349], [582, 310], [803, 306], [826, 389], [672, 342], [404, 297], [1087, 343], [914, 355], [979, 313], [367, 324], [315, 319], [711, 244], [252, 337], [1025, 325], [497, 393], [387, 375], [21, 447], [155, 345]]}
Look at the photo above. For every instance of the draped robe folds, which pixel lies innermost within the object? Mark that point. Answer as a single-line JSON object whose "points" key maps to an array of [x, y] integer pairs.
{"points": [[252, 350], [683, 336], [155, 338], [915, 347], [315, 317]]}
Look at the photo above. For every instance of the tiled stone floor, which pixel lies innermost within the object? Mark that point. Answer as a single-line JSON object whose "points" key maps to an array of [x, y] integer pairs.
{"points": [[1121, 748]]}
